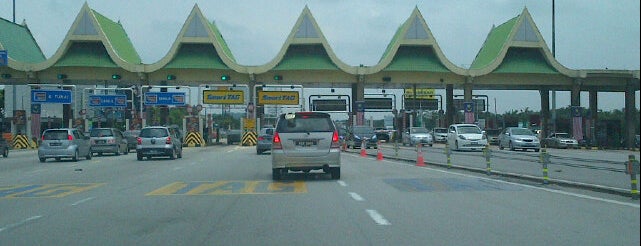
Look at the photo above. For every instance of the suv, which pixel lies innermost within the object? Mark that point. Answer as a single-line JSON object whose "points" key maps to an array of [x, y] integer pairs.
{"points": [[64, 143], [305, 141], [108, 140], [466, 136], [158, 141]]}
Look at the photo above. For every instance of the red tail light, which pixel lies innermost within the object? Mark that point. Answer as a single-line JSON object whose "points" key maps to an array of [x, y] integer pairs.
{"points": [[276, 144], [139, 140], [43, 137], [69, 137], [335, 139], [168, 140]]}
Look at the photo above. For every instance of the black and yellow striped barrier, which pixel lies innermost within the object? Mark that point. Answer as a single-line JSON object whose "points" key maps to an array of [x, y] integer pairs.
{"points": [[249, 138], [194, 139], [22, 142]]}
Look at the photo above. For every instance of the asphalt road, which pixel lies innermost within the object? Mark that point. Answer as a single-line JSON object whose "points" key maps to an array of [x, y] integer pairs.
{"points": [[224, 195]]}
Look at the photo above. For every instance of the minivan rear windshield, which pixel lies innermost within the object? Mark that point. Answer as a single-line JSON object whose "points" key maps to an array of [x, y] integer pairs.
{"points": [[55, 135], [305, 123], [101, 133], [153, 133]]}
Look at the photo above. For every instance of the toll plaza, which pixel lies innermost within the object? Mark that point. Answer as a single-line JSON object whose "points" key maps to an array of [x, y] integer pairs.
{"points": [[514, 57]]}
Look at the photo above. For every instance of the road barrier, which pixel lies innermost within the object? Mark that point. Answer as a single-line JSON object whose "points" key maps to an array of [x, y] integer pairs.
{"points": [[363, 144], [544, 158], [21, 142], [487, 153], [632, 168], [448, 153], [249, 138], [420, 161], [379, 152], [194, 139]]}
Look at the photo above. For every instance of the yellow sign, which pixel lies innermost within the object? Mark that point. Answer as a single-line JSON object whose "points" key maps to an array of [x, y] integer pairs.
{"points": [[249, 123], [278, 97], [223, 97], [420, 93]]}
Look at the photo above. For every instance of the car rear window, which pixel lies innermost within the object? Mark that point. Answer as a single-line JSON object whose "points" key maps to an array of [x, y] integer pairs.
{"points": [[154, 133], [101, 133], [440, 130], [305, 122], [55, 135], [469, 130]]}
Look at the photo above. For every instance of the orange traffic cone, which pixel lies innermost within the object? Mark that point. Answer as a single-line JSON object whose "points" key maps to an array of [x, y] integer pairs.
{"points": [[379, 154], [363, 152], [419, 158]]}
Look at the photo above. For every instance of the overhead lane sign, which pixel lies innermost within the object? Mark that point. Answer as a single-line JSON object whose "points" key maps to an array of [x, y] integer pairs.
{"points": [[420, 93], [223, 97], [51, 96], [115, 101], [278, 97], [165, 98]]}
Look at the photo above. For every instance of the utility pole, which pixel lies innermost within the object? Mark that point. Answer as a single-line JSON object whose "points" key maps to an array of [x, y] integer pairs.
{"points": [[553, 55]]}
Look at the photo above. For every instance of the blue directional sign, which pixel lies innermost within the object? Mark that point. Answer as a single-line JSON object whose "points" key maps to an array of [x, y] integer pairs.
{"points": [[114, 101], [165, 98], [4, 58], [51, 96]]}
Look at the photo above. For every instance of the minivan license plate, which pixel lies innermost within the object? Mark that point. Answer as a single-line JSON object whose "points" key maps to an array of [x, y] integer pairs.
{"points": [[306, 143]]}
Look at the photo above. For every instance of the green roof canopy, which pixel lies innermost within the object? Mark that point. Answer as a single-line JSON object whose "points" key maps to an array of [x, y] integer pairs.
{"points": [[118, 39], [19, 43], [525, 60], [306, 57], [197, 56], [416, 58], [86, 54]]}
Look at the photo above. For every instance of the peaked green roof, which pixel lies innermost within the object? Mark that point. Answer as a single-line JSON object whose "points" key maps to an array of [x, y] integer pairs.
{"points": [[495, 41], [525, 60], [221, 41], [306, 57], [416, 58], [86, 54], [19, 43], [197, 56], [396, 36], [118, 39]]}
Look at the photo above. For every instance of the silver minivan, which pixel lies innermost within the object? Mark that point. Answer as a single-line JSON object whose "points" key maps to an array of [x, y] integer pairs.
{"points": [[64, 143], [305, 141]]}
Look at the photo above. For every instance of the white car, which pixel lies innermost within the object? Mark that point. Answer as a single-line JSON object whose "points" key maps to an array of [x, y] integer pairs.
{"points": [[466, 137]]}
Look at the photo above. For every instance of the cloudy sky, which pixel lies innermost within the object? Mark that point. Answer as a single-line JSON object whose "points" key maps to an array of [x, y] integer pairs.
{"points": [[590, 34]]}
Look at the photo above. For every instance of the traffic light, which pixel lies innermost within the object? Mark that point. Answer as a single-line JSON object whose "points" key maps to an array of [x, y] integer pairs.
{"points": [[171, 77], [6, 76], [278, 77], [115, 76], [62, 76], [225, 77]]}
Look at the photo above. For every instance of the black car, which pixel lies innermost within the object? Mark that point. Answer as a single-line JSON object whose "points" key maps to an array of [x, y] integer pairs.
{"points": [[131, 136], [233, 136], [4, 147]]}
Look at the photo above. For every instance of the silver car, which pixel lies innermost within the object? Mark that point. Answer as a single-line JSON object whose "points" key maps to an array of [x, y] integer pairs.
{"points": [[305, 141], [108, 140], [64, 143], [158, 141], [415, 135], [519, 138], [440, 135]]}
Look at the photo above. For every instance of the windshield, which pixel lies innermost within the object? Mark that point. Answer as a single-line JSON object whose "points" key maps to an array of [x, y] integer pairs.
{"points": [[363, 131], [522, 131], [440, 130], [469, 130], [101, 133], [418, 130], [563, 135]]}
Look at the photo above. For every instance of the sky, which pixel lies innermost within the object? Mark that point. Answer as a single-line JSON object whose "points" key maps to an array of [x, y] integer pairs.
{"points": [[589, 34]]}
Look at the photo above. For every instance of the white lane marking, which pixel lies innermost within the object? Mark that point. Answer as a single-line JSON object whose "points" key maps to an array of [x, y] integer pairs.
{"points": [[342, 183], [523, 185], [82, 201], [378, 218], [20, 223], [356, 196]]}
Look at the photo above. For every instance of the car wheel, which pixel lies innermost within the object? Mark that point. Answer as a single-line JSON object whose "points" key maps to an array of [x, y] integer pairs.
{"points": [[336, 172], [43, 159], [117, 152], [501, 146], [456, 146], [75, 156], [126, 150], [88, 156], [5, 153], [139, 156], [180, 153], [172, 155], [536, 150], [258, 151], [511, 146], [277, 174], [57, 158]]}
